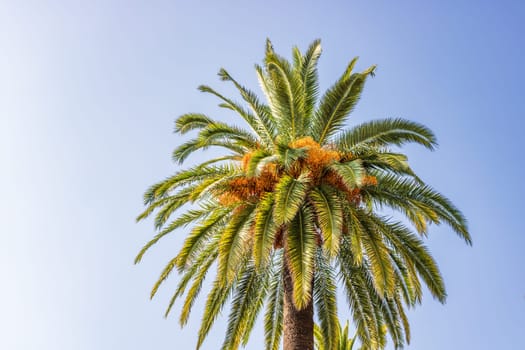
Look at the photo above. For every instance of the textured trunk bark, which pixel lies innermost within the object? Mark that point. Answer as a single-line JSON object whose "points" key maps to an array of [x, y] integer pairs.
{"points": [[298, 333]]}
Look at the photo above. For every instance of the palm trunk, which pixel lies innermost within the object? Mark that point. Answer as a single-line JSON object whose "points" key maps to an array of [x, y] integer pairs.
{"points": [[298, 333]]}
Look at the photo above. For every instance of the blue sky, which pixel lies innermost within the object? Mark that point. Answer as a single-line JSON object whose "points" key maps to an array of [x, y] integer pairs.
{"points": [[88, 95]]}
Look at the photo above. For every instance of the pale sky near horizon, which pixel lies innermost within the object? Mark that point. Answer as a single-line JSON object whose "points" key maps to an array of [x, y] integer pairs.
{"points": [[88, 94]]}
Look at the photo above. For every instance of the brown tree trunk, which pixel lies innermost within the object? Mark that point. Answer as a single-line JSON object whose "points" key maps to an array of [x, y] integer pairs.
{"points": [[298, 333]]}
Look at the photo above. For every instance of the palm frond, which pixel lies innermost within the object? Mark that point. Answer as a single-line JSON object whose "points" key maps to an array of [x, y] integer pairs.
{"points": [[192, 121], [262, 117], [300, 251], [204, 262], [181, 153], [414, 198], [325, 300], [265, 231], [351, 173], [233, 245], [310, 78], [200, 234], [217, 297], [289, 196], [246, 304], [197, 272], [385, 132], [273, 316], [377, 254], [329, 215], [286, 101], [181, 221], [338, 102]]}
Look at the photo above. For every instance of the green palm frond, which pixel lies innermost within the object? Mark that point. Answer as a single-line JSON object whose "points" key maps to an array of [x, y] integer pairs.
{"points": [[417, 199], [265, 231], [204, 263], [232, 247], [160, 190], [200, 234], [338, 102], [329, 214], [217, 297], [181, 221], [351, 173], [386, 132], [289, 196], [325, 300], [388, 162], [380, 263], [262, 119], [360, 301], [181, 153], [197, 273], [246, 304], [300, 251], [309, 77], [286, 85], [192, 121], [273, 316]]}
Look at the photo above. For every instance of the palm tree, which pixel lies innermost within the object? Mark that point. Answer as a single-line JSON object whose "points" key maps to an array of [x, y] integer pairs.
{"points": [[294, 207], [343, 341]]}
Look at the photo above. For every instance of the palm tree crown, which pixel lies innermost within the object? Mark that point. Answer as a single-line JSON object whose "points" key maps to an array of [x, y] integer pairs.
{"points": [[293, 209]]}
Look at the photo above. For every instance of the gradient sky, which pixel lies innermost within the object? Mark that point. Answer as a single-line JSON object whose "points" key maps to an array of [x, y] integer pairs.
{"points": [[88, 94]]}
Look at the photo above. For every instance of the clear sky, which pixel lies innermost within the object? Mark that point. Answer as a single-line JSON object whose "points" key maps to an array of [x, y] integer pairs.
{"points": [[88, 94]]}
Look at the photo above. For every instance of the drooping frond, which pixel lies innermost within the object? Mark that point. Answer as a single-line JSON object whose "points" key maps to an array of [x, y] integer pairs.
{"points": [[273, 316], [246, 304], [329, 214], [181, 221], [232, 246], [192, 121], [200, 234], [325, 300], [385, 132], [381, 268], [203, 264], [360, 302], [289, 196], [412, 249], [350, 173], [217, 297], [418, 202], [265, 231], [300, 251]]}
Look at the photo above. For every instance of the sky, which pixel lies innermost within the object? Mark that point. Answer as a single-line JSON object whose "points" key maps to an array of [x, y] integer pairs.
{"points": [[89, 91]]}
